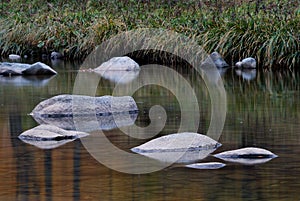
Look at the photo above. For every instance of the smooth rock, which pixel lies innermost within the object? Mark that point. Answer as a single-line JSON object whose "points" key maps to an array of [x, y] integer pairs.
{"points": [[218, 60], [14, 57], [77, 105], [206, 166], [180, 147], [39, 68], [56, 55], [246, 63], [10, 69], [49, 132], [119, 64], [91, 123], [249, 155]]}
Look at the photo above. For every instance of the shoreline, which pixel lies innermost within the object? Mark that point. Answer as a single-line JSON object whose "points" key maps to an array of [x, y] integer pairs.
{"points": [[235, 30]]}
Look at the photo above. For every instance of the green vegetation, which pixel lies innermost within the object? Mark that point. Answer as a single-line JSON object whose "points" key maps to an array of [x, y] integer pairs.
{"points": [[265, 29]]}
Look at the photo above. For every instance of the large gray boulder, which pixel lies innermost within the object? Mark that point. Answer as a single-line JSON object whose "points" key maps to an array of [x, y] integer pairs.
{"points": [[119, 64], [38, 68], [218, 60], [248, 155], [69, 105], [49, 136], [180, 148]]}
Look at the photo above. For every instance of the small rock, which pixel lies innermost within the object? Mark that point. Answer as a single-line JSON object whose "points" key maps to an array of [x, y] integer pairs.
{"points": [[39, 68], [8, 69], [218, 60], [249, 155], [55, 136], [14, 57], [206, 166], [49, 132], [239, 64], [119, 63], [246, 63], [56, 55]]}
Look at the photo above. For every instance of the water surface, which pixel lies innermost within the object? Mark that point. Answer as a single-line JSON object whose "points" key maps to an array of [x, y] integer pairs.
{"points": [[263, 111]]}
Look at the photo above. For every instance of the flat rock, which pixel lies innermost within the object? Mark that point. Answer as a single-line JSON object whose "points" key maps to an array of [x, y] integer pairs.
{"points": [[248, 155], [38, 68], [50, 133], [178, 142], [206, 166], [69, 105], [179, 148], [119, 64]]}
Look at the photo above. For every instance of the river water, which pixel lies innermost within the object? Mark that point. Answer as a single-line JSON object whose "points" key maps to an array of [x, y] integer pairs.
{"points": [[262, 110]]}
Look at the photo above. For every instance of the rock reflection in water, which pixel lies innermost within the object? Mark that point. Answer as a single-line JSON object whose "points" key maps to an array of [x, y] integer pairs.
{"points": [[246, 74], [91, 123], [121, 77], [20, 81]]}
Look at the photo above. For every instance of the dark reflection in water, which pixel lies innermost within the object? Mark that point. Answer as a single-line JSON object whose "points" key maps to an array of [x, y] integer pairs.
{"points": [[263, 111]]}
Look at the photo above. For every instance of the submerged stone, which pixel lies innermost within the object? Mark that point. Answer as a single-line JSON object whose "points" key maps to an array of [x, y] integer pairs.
{"points": [[206, 166]]}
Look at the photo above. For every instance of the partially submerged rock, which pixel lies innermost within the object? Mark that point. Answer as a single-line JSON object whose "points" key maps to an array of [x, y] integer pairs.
{"points": [[69, 105], [218, 60], [49, 136], [56, 55], [206, 166], [249, 155], [14, 57], [179, 147], [38, 68], [246, 63], [119, 64]]}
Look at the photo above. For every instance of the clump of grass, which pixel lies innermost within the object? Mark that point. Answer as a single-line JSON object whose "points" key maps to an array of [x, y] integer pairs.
{"points": [[263, 29]]}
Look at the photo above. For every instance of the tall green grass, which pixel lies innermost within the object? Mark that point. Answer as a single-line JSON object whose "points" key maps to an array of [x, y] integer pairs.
{"points": [[267, 30]]}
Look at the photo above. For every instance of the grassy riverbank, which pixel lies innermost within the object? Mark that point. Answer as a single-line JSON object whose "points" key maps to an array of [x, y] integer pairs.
{"points": [[265, 29]]}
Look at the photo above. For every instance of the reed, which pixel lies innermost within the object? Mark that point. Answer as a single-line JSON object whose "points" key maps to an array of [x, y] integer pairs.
{"points": [[265, 29]]}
